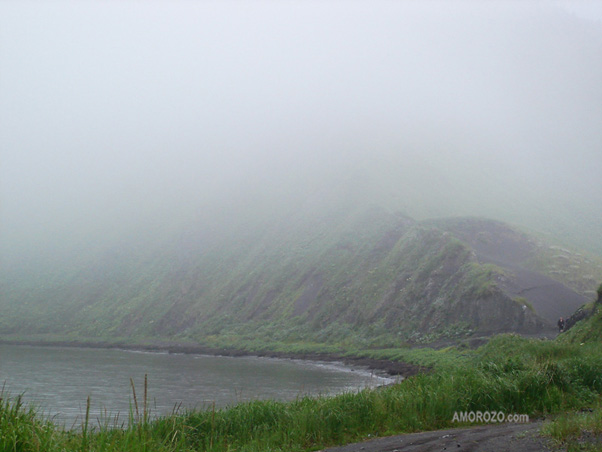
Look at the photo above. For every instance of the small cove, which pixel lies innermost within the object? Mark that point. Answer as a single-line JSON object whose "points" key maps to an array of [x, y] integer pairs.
{"points": [[58, 380]]}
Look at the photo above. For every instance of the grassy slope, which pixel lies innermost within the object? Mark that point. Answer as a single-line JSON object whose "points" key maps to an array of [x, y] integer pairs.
{"points": [[586, 331], [354, 278]]}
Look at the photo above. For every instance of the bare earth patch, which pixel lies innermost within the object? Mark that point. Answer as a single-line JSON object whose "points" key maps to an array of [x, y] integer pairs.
{"points": [[483, 438]]}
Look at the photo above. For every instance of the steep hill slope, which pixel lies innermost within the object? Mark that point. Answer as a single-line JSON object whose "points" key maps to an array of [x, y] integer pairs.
{"points": [[347, 275], [553, 279]]}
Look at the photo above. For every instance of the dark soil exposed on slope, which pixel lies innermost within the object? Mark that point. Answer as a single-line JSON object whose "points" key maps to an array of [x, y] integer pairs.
{"points": [[496, 243], [550, 299]]}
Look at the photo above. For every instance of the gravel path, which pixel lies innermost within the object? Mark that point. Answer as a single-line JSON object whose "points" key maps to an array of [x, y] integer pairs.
{"points": [[483, 438]]}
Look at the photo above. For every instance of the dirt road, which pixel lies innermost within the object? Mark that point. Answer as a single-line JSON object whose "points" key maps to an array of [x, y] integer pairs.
{"points": [[485, 438]]}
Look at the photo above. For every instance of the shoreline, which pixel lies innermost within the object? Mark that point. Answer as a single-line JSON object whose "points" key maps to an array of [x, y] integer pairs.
{"points": [[391, 368]]}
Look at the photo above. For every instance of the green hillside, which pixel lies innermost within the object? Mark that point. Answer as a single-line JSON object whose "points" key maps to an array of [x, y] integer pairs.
{"points": [[349, 276]]}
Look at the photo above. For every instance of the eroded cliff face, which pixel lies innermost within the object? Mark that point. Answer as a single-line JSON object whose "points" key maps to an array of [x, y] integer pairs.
{"points": [[450, 289], [361, 274]]}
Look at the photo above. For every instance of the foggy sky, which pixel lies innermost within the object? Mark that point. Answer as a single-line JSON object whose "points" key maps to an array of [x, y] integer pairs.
{"points": [[115, 115]]}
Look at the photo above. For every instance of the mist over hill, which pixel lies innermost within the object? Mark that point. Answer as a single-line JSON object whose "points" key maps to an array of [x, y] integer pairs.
{"points": [[353, 275], [153, 155]]}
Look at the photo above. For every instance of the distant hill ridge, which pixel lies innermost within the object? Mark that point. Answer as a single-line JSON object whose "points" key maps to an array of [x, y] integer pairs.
{"points": [[364, 275]]}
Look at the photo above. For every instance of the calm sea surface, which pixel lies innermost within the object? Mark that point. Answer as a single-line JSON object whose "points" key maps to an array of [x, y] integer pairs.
{"points": [[60, 379]]}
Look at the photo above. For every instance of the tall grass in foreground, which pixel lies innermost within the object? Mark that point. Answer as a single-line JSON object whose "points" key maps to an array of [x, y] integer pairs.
{"points": [[578, 431], [22, 429], [510, 374]]}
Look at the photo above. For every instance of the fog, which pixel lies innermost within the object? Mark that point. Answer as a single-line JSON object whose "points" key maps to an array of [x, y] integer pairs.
{"points": [[139, 116]]}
